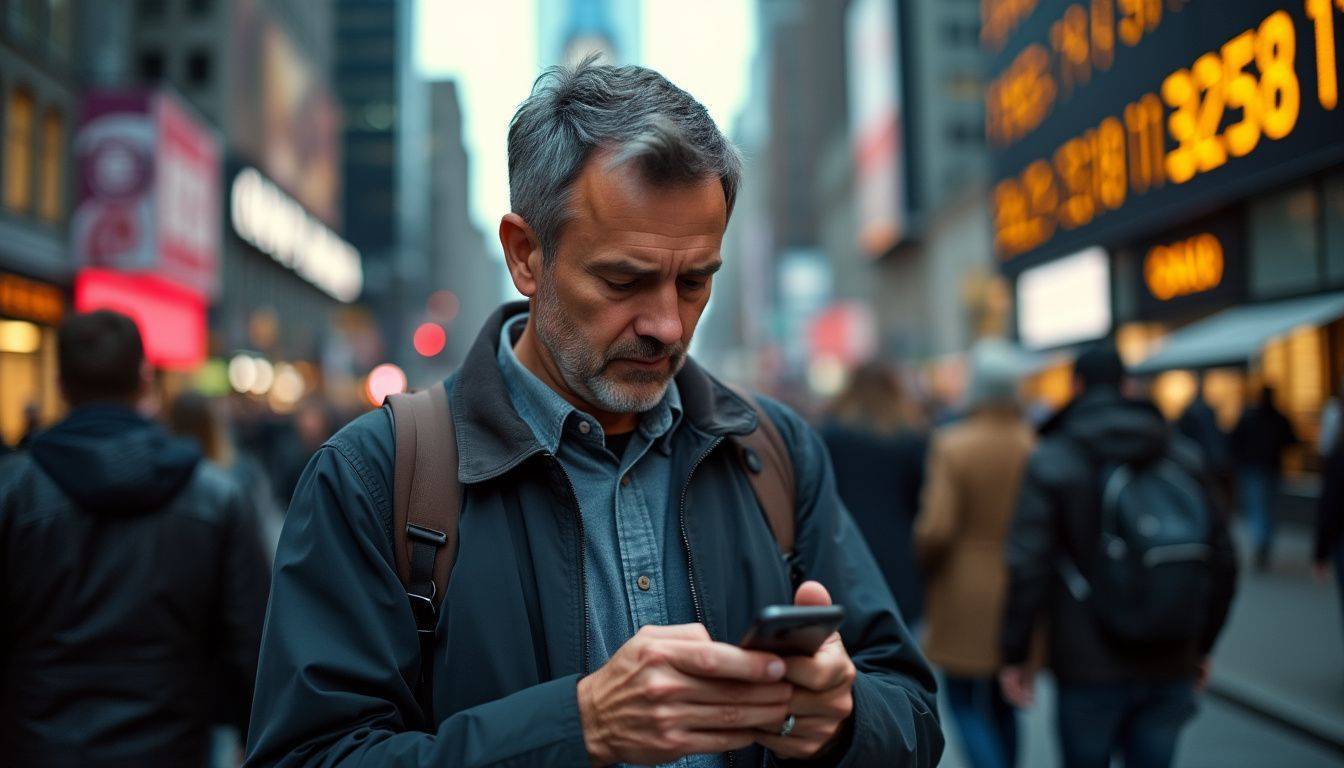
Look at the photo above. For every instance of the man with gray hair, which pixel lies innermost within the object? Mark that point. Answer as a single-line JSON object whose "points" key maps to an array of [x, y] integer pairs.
{"points": [[611, 548]]}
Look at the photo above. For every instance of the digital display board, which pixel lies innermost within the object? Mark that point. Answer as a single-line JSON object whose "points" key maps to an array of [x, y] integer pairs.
{"points": [[1109, 120]]}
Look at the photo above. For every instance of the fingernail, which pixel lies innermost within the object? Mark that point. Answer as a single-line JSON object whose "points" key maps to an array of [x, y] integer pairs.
{"points": [[775, 669]]}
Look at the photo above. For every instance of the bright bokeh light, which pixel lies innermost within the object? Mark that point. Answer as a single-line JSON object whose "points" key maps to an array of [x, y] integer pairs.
{"points": [[443, 306], [429, 339], [242, 373], [265, 377], [386, 379], [288, 386]]}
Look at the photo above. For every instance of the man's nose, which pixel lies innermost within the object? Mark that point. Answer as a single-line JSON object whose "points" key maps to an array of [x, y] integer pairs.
{"points": [[659, 315]]}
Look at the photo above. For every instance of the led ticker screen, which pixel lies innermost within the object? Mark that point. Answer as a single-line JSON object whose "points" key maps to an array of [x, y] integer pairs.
{"points": [[1112, 119]]}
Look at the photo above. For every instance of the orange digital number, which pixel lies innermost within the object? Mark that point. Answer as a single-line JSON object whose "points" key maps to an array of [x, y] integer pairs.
{"points": [[1242, 93], [1327, 79], [1280, 91]]}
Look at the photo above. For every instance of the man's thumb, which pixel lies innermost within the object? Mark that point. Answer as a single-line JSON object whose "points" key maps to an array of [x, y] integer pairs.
{"points": [[812, 593]]}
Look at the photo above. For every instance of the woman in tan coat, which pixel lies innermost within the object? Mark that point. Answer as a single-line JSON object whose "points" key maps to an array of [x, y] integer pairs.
{"points": [[970, 487]]}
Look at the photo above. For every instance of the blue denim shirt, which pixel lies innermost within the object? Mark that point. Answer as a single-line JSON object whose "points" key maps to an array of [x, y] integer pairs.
{"points": [[635, 564]]}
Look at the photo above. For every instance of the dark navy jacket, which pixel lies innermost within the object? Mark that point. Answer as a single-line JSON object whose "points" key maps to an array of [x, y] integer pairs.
{"points": [[340, 652]]}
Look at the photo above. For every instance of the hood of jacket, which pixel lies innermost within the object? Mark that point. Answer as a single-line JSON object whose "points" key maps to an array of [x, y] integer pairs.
{"points": [[1111, 428], [110, 460]]}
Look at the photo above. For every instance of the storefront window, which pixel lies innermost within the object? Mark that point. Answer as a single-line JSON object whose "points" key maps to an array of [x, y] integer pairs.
{"points": [[58, 25], [1284, 243], [19, 151], [53, 152], [1334, 228]]}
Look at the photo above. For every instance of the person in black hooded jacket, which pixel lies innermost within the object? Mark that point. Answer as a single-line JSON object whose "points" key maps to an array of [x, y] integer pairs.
{"points": [[129, 569], [1114, 696]]}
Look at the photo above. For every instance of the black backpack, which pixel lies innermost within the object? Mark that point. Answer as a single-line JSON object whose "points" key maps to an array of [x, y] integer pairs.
{"points": [[1152, 569]]}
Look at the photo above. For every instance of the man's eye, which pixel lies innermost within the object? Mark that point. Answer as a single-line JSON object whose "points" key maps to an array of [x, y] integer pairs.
{"points": [[626, 286], [693, 285]]}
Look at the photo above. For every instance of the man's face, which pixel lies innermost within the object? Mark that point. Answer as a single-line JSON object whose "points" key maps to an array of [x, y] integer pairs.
{"points": [[618, 304]]}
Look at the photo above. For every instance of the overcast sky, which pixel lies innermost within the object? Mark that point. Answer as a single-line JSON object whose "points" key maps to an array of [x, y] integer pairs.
{"points": [[704, 46]]}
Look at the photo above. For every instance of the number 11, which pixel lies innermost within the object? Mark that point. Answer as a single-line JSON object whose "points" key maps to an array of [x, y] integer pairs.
{"points": [[1327, 81]]}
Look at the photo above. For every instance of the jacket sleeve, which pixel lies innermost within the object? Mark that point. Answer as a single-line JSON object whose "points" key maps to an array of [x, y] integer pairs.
{"points": [[937, 522], [895, 720], [246, 581], [340, 653], [1030, 556], [1224, 587]]}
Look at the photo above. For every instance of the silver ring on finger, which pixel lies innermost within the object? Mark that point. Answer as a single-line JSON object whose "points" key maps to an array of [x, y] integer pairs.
{"points": [[787, 727]]}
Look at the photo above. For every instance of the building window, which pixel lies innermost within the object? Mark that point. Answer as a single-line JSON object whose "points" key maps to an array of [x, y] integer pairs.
{"points": [[148, 10], [199, 68], [58, 25], [1334, 228], [151, 66], [50, 205], [1285, 243], [19, 151]]}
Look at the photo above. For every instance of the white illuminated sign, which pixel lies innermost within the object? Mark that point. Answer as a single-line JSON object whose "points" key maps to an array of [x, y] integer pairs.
{"points": [[1065, 301], [275, 224]]}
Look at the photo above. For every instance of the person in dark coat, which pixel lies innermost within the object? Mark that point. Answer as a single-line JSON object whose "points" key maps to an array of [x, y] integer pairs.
{"points": [[611, 553], [1258, 443], [1114, 695], [1330, 519], [128, 568], [879, 468]]}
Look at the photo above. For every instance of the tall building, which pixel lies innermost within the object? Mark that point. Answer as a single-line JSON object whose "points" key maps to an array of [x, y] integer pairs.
{"points": [[38, 107], [257, 76], [570, 30], [459, 261]]}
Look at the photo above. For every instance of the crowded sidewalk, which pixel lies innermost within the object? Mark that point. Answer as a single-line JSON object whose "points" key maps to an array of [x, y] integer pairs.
{"points": [[1276, 698]]}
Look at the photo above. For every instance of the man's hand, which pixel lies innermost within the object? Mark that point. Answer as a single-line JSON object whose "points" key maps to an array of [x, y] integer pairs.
{"points": [[823, 697], [1019, 685], [671, 691]]}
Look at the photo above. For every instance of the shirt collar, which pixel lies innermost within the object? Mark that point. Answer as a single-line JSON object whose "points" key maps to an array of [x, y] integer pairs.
{"points": [[547, 413]]}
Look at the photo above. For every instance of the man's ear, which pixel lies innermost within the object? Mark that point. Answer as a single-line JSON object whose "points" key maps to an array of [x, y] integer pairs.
{"points": [[522, 253]]}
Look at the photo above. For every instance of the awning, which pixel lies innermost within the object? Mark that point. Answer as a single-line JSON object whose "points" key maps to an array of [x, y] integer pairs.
{"points": [[1235, 335]]}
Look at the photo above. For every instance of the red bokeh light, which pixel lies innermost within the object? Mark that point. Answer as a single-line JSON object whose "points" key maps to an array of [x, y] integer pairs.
{"points": [[386, 379], [443, 306], [429, 339]]}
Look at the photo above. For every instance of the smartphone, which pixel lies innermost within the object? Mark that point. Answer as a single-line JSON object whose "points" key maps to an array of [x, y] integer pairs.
{"points": [[792, 630]]}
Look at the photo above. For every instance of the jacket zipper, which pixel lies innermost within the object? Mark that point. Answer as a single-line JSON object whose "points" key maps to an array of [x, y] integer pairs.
{"points": [[583, 576], [686, 544], [686, 539]]}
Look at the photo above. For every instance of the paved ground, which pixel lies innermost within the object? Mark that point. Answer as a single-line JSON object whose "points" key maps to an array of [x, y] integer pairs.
{"points": [[1278, 679]]}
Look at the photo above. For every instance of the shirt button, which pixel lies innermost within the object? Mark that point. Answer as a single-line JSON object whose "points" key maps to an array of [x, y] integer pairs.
{"points": [[625, 479], [585, 427], [644, 583]]}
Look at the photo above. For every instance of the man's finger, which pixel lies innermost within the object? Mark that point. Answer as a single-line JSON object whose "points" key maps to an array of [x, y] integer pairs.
{"points": [[677, 631], [811, 593], [712, 741], [821, 672], [697, 717], [720, 660], [833, 703], [703, 690]]}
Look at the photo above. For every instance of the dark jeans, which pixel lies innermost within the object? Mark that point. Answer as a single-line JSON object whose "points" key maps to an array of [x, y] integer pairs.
{"points": [[1258, 491], [1141, 721], [986, 722]]}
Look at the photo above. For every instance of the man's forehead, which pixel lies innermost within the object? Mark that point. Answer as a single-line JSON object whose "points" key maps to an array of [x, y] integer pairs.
{"points": [[617, 200]]}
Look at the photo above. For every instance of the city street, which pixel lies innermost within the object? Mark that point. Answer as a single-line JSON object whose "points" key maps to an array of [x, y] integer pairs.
{"points": [[1276, 697]]}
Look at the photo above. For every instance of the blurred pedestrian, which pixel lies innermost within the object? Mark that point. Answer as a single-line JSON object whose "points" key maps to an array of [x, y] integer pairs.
{"points": [[128, 565], [205, 421], [879, 466], [32, 424], [974, 469], [1330, 519], [1258, 443], [307, 430], [621, 511], [1118, 541], [1199, 423]]}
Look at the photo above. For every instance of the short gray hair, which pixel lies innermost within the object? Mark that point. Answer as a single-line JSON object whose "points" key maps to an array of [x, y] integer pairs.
{"points": [[635, 112]]}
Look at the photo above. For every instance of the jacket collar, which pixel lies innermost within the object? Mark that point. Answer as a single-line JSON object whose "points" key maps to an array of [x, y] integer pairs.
{"points": [[493, 439]]}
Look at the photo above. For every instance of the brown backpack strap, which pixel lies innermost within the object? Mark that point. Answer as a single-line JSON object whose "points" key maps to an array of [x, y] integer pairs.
{"points": [[426, 498], [769, 466]]}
